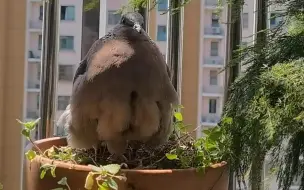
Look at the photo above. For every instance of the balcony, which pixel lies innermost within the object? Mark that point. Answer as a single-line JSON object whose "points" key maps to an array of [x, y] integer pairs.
{"points": [[214, 32], [33, 86], [30, 114], [35, 26], [210, 120], [213, 91], [211, 4], [33, 57], [213, 62]]}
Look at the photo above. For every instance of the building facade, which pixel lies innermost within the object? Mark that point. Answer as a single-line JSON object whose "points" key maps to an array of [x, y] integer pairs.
{"points": [[70, 32], [69, 53]]}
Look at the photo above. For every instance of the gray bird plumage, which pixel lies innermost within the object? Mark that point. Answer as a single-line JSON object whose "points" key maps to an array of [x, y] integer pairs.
{"points": [[121, 91]]}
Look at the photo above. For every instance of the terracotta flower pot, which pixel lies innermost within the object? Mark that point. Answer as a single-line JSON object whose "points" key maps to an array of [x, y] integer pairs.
{"points": [[184, 179]]}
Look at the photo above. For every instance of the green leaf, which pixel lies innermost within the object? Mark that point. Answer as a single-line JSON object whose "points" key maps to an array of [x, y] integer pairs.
{"points": [[26, 133], [42, 173], [171, 156], [209, 145], [103, 186], [63, 181], [53, 171], [1, 186], [112, 168], [112, 184], [178, 116], [30, 155], [207, 131], [95, 168], [29, 125], [227, 120], [89, 181]]}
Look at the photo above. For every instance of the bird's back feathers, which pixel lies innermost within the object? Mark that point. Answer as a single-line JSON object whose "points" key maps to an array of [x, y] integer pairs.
{"points": [[124, 84]]}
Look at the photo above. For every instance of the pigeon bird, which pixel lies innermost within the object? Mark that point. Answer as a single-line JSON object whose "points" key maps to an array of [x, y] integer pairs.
{"points": [[121, 91]]}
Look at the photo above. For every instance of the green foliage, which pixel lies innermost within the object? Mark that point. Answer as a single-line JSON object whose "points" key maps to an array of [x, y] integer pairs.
{"points": [[30, 155], [105, 174], [200, 153], [91, 4], [28, 127], [1, 186], [105, 177], [266, 104], [47, 167]]}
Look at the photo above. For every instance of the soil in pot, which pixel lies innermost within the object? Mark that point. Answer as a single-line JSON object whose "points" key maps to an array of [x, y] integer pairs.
{"points": [[139, 178]]}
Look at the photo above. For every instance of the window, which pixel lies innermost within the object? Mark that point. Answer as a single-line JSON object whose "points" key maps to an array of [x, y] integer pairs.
{"points": [[66, 42], [215, 20], [113, 17], [37, 101], [66, 72], [214, 48], [213, 77], [245, 20], [162, 5], [40, 12], [39, 42], [67, 13], [63, 102], [212, 105], [272, 19], [161, 33], [38, 71], [275, 19]]}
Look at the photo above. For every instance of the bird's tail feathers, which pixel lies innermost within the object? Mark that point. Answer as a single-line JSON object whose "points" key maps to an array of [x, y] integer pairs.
{"points": [[113, 120]]}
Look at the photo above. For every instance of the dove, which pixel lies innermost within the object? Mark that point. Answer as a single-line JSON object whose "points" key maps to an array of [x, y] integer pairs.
{"points": [[121, 91]]}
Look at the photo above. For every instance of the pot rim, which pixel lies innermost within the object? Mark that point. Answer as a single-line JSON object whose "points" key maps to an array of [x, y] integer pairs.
{"points": [[86, 168]]}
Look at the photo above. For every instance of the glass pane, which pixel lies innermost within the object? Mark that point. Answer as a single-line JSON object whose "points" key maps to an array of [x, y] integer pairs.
{"points": [[161, 33], [214, 48], [163, 5], [212, 105], [213, 77], [245, 20]]}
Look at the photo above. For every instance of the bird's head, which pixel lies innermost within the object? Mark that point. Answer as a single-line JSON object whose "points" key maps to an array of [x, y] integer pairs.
{"points": [[134, 20]]}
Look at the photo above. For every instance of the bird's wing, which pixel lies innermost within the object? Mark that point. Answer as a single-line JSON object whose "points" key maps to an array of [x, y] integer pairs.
{"points": [[81, 69], [113, 53], [83, 66]]}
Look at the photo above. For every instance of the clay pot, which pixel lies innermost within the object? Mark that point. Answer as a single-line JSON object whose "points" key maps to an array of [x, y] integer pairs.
{"points": [[184, 179]]}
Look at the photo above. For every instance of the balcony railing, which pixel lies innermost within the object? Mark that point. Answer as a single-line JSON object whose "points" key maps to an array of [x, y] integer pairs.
{"points": [[216, 61], [32, 55], [210, 119], [213, 89], [32, 114], [33, 85], [211, 3], [36, 25], [214, 30]]}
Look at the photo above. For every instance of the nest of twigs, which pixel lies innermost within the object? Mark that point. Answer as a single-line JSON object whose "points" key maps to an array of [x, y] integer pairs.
{"points": [[138, 155]]}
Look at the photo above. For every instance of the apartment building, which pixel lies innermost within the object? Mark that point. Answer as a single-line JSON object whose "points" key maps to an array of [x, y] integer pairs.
{"points": [[70, 30]]}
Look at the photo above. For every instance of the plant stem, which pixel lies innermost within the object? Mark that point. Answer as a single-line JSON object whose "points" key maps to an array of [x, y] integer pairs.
{"points": [[38, 149], [69, 188]]}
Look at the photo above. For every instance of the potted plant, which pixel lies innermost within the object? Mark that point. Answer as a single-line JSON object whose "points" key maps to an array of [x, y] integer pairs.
{"points": [[182, 163]]}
